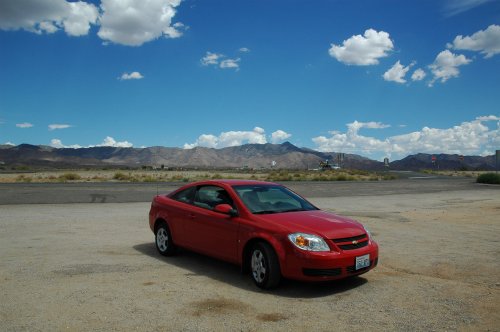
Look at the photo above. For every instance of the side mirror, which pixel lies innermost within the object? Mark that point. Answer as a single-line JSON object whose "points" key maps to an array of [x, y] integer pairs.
{"points": [[226, 209]]}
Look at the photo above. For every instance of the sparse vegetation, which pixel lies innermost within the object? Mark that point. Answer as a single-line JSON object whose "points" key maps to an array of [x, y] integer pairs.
{"points": [[459, 173], [140, 175], [123, 177], [490, 178], [332, 175], [69, 177], [23, 178]]}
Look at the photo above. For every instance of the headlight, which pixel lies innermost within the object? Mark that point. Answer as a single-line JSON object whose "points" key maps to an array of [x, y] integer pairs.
{"points": [[308, 242], [368, 232]]}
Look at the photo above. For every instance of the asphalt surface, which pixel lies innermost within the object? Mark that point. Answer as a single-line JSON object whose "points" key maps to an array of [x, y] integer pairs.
{"points": [[64, 193]]}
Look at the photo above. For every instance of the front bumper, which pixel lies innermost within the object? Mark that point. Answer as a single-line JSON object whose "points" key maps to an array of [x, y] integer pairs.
{"points": [[323, 266]]}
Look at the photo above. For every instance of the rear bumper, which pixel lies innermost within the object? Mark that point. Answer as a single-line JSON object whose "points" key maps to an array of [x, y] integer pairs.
{"points": [[323, 266]]}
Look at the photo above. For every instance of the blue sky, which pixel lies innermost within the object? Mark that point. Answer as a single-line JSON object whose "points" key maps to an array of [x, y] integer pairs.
{"points": [[376, 78]]}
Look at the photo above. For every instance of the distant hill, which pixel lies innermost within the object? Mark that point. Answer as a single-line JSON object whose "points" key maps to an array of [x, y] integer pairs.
{"points": [[444, 162], [285, 155]]}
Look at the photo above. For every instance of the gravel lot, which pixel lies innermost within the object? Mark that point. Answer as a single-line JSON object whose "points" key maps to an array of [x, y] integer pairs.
{"points": [[82, 267]]}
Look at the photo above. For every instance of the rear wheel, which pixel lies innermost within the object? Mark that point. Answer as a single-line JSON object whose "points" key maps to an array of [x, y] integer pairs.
{"points": [[264, 266], [163, 240]]}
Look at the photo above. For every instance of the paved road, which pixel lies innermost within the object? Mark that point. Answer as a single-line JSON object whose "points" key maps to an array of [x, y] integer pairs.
{"points": [[61, 193]]}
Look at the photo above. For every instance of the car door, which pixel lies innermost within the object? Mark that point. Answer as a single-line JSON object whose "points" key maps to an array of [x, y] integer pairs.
{"points": [[209, 232], [179, 213]]}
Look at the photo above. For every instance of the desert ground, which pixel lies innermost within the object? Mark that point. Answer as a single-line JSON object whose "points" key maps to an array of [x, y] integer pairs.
{"points": [[89, 266]]}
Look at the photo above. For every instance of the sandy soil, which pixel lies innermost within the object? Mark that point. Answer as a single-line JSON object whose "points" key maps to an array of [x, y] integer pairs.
{"points": [[81, 267]]}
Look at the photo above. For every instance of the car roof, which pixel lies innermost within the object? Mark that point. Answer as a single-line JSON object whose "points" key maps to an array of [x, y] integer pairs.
{"points": [[223, 182], [235, 182]]}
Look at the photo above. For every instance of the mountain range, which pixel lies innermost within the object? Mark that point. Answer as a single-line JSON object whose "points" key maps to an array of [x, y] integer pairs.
{"points": [[285, 155]]}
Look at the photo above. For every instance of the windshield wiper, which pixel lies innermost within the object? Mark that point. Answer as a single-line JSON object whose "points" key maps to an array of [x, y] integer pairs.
{"points": [[294, 210], [279, 211], [266, 212]]}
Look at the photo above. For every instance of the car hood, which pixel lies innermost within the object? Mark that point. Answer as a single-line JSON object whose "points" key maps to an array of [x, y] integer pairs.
{"points": [[328, 225]]}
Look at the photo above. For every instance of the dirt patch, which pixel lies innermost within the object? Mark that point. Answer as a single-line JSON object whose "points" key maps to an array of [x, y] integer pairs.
{"points": [[271, 317], [217, 306]]}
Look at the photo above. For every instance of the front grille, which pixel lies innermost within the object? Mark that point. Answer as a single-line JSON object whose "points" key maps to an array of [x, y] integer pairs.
{"points": [[322, 272], [353, 246], [346, 243]]}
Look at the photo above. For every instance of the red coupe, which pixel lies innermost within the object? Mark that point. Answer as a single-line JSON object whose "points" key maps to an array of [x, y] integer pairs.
{"points": [[265, 228]]}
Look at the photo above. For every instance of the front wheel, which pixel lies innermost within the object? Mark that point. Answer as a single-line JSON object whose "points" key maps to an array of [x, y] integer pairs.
{"points": [[163, 240], [264, 266]]}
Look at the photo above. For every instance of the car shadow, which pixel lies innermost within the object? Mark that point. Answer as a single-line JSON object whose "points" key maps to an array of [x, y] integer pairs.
{"points": [[200, 265]]}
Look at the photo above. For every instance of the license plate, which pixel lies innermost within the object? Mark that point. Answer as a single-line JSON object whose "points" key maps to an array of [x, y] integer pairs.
{"points": [[362, 261]]}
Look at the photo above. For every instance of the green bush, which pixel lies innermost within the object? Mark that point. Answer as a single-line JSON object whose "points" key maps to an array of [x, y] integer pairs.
{"points": [[342, 177], [148, 178], [22, 178], [490, 178], [123, 177], [176, 178], [69, 177]]}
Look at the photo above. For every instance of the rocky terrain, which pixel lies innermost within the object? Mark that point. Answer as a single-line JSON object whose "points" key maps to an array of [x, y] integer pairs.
{"points": [[285, 155]]}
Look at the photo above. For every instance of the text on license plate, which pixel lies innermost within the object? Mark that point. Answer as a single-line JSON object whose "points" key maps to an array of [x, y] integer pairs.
{"points": [[362, 261]]}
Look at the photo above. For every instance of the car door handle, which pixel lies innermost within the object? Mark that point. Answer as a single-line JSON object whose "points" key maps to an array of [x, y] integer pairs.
{"points": [[191, 216]]}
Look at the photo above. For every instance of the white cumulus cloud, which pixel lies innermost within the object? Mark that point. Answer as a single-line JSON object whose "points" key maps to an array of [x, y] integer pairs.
{"points": [[48, 16], [110, 141], [59, 126], [418, 75], [486, 42], [107, 142], [230, 138], [211, 59], [363, 50], [279, 136], [397, 73], [135, 75], [446, 65], [469, 138], [24, 125], [244, 50], [57, 143], [135, 22], [205, 140], [230, 63], [125, 22], [221, 61]]}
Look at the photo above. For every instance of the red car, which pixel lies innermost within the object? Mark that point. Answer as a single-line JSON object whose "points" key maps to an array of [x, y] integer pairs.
{"points": [[265, 228]]}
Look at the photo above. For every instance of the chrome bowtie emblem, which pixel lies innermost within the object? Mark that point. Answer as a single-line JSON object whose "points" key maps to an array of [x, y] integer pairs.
{"points": [[354, 242]]}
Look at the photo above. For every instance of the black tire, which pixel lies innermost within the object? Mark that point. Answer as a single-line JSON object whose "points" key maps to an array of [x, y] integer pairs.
{"points": [[163, 240], [264, 266]]}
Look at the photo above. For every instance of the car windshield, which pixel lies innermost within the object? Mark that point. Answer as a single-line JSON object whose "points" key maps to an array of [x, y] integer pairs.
{"points": [[267, 199]]}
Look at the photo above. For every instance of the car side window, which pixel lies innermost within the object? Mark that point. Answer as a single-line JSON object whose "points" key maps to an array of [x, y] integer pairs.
{"points": [[185, 196], [208, 197], [278, 197]]}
